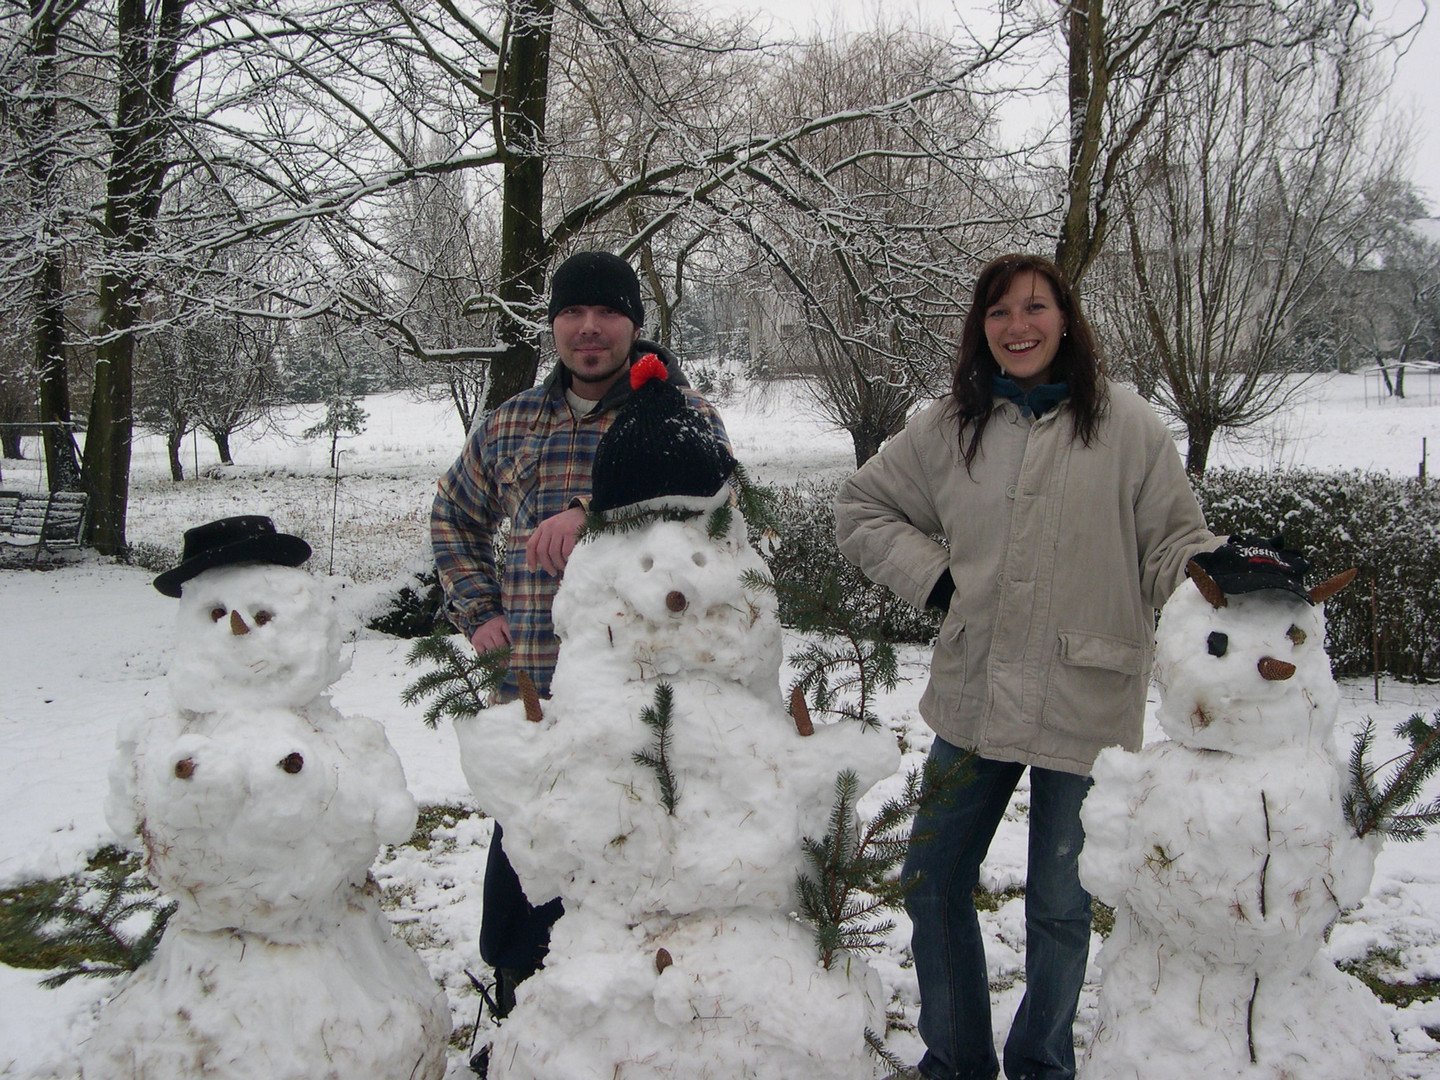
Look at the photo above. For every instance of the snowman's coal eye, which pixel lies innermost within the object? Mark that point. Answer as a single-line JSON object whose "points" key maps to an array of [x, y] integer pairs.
{"points": [[1217, 643], [217, 613], [1296, 636], [262, 617]]}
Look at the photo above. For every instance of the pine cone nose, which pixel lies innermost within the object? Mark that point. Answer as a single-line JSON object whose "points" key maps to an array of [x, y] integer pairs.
{"points": [[1275, 670], [675, 600], [237, 624]]}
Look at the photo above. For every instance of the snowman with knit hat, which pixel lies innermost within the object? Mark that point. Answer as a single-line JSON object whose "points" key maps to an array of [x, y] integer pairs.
{"points": [[259, 809], [1224, 849], [663, 792]]}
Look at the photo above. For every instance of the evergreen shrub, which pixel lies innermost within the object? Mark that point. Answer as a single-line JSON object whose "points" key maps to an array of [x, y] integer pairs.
{"points": [[804, 558]]}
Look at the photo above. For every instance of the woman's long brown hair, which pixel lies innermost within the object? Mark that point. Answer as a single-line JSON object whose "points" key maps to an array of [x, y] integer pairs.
{"points": [[1077, 363]]}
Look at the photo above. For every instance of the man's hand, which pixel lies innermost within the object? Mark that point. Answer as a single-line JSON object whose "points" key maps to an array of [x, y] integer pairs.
{"points": [[552, 541], [492, 635]]}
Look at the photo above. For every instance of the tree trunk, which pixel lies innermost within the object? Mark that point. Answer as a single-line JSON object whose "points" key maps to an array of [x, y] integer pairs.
{"points": [[867, 439], [1084, 36], [222, 446], [525, 250], [132, 203], [1197, 456], [172, 446], [62, 459]]}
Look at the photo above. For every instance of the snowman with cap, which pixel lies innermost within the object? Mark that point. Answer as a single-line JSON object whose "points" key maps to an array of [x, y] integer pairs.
{"points": [[259, 809], [663, 792], [1224, 849]]}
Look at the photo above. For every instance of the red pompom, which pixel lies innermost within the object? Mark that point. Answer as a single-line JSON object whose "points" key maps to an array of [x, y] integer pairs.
{"points": [[646, 368]]}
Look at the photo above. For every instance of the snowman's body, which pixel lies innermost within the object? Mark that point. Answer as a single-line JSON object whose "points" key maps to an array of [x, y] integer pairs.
{"points": [[1226, 856], [260, 808], [678, 954]]}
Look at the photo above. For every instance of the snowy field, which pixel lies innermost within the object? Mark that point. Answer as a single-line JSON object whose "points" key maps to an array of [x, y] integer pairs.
{"points": [[86, 646]]}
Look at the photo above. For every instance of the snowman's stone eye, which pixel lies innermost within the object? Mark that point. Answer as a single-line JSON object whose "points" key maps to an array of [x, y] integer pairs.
{"points": [[1296, 636], [262, 617], [1217, 643], [217, 613]]}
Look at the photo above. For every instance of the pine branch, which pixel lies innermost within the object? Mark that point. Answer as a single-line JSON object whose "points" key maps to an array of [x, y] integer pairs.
{"points": [[461, 683], [1393, 807], [876, 1045], [79, 924], [854, 878], [658, 718]]}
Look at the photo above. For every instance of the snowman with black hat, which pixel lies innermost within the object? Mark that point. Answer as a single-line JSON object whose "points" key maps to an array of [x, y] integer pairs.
{"points": [[1224, 850], [664, 790], [259, 809]]}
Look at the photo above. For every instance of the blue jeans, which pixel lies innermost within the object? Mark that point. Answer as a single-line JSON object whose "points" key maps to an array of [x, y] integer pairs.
{"points": [[949, 952]]}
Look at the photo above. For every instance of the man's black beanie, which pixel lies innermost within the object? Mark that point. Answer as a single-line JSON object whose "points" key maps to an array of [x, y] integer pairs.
{"points": [[597, 277]]}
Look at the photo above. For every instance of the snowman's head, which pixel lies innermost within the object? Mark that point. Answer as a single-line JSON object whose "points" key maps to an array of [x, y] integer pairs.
{"points": [[1243, 672], [252, 635], [668, 599]]}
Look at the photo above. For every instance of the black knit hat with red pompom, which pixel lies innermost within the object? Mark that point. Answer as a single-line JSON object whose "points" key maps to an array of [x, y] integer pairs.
{"points": [[660, 453]]}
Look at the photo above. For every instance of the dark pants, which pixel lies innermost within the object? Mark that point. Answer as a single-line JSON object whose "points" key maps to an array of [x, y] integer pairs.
{"points": [[514, 934], [949, 952]]}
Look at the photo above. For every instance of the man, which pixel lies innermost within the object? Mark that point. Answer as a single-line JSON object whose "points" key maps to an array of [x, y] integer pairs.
{"points": [[529, 462]]}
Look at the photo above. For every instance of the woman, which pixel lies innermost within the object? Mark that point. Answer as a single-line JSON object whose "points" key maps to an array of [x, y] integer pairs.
{"points": [[1067, 521]]}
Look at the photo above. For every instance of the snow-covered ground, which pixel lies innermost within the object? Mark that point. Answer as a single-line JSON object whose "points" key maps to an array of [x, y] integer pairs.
{"points": [[86, 646]]}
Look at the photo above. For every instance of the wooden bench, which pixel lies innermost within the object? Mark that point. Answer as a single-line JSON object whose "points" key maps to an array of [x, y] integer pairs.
{"points": [[46, 521]]}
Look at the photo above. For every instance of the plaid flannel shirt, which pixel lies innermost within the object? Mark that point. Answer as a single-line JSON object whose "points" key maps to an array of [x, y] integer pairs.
{"points": [[527, 461]]}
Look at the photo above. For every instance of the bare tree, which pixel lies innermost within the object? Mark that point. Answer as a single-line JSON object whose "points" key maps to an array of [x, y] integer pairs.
{"points": [[1235, 224], [1129, 63], [874, 229]]}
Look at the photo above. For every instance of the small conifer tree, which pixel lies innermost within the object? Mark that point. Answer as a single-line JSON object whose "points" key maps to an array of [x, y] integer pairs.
{"points": [[854, 871], [844, 664]]}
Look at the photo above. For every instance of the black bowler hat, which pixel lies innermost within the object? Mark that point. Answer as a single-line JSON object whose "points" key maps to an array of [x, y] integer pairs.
{"points": [[246, 539], [598, 278], [1250, 563]]}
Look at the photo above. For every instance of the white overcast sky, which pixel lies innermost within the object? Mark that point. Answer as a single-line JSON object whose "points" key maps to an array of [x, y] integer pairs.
{"points": [[1416, 89]]}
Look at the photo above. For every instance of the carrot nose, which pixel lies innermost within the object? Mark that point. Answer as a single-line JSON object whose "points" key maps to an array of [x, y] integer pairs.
{"points": [[1275, 670], [237, 624]]}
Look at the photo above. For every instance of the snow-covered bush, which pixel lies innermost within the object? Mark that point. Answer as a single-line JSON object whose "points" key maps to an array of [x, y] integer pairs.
{"points": [[1386, 526]]}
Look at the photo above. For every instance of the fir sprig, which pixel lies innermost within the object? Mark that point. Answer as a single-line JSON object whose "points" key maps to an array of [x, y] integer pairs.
{"points": [[461, 682], [844, 665], [83, 925], [854, 874], [659, 719], [1392, 806]]}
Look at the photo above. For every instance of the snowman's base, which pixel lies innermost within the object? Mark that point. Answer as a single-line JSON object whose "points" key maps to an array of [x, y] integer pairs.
{"points": [[1165, 1016], [743, 995], [354, 1005]]}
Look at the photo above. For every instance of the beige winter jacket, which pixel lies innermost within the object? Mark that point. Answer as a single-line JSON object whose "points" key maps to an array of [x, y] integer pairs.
{"points": [[1061, 553]]}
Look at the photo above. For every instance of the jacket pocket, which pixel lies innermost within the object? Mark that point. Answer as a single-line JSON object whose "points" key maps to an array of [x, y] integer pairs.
{"points": [[1097, 688], [947, 664]]}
